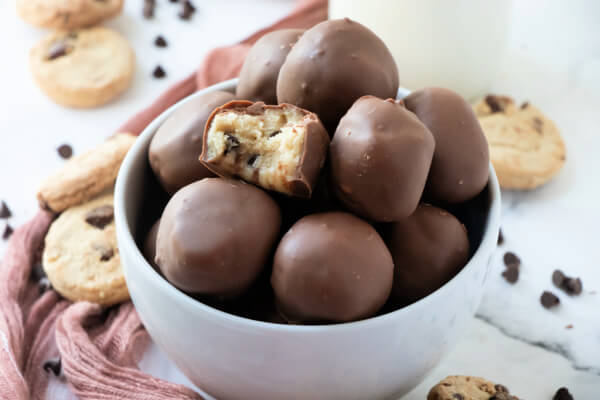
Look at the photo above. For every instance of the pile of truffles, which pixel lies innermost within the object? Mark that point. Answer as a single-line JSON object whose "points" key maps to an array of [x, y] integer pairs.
{"points": [[312, 195]]}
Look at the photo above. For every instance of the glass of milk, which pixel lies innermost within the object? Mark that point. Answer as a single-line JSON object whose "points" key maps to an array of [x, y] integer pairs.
{"points": [[455, 44]]}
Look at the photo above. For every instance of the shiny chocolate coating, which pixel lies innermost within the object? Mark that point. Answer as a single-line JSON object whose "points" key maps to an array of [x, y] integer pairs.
{"points": [[258, 77], [380, 157], [149, 249], [428, 248], [333, 64], [216, 236], [177, 144], [331, 267], [460, 166]]}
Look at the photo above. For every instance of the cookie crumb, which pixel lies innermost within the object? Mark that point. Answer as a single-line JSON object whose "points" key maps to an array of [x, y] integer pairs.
{"points": [[53, 365], [8, 231], [159, 72], [4, 211], [160, 41], [65, 151], [549, 300], [570, 326], [562, 394]]}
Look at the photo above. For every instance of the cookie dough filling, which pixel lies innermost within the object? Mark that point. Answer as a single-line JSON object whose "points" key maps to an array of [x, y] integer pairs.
{"points": [[279, 148]]}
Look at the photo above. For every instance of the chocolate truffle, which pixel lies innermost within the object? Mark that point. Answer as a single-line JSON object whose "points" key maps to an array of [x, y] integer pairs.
{"points": [[380, 157], [216, 235], [149, 249], [428, 249], [460, 166], [331, 267], [258, 77], [333, 64], [280, 148], [175, 148]]}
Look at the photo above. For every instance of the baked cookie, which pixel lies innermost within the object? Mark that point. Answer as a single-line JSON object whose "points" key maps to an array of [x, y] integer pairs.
{"points": [[84, 68], [81, 257], [85, 176], [67, 14], [468, 388], [526, 148]]}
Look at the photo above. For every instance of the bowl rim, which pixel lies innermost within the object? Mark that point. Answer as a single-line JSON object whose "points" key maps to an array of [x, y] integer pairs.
{"points": [[127, 244]]}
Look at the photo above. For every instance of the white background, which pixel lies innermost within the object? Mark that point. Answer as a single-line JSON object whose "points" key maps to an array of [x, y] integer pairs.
{"points": [[553, 61]]}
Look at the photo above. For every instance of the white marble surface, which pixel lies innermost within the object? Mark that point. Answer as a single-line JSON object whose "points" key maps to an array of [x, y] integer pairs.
{"points": [[553, 61]]}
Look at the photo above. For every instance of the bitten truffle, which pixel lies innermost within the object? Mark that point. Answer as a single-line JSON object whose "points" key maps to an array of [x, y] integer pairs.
{"points": [[258, 77], [459, 170], [177, 144], [428, 248], [280, 148], [333, 64], [215, 236], [331, 267], [380, 157]]}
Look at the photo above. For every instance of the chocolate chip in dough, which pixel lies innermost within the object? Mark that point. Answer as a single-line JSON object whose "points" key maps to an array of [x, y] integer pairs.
{"points": [[106, 253], [58, 49], [4, 211], [101, 216], [458, 396], [549, 300], [53, 365], [252, 159], [65, 151], [494, 103], [159, 72], [187, 10], [160, 41], [8, 231], [501, 388], [511, 259], [231, 143], [524, 105], [562, 394]]}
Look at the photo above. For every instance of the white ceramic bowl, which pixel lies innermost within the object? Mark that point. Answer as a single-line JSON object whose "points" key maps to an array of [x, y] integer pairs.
{"points": [[231, 357]]}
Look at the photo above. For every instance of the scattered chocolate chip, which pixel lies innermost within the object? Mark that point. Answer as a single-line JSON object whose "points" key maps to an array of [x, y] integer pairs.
{"points": [[65, 151], [511, 259], [44, 285], [252, 159], [501, 388], [106, 253], [173, 1], [101, 216], [562, 394], [500, 238], [494, 103], [549, 300], [524, 105], [4, 211], [570, 326], [277, 132], [58, 49], [8, 231], [160, 41], [502, 396], [511, 274], [571, 286], [458, 396], [148, 10], [53, 365], [187, 10], [159, 72], [231, 142]]}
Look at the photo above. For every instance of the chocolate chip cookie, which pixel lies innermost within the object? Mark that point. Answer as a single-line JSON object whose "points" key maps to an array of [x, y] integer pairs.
{"points": [[81, 257], [67, 14], [468, 388]]}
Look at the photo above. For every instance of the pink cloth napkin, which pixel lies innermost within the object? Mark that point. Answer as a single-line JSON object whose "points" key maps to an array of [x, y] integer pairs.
{"points": [[98, 349]]}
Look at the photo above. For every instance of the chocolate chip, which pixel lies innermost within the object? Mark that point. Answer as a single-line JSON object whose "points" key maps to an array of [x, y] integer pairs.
{"points": [[44, 285], [502, 396], [160, 41], [562, 394], [101, 216], [159, 72], [65, 151], [4, 211], [8, 231], [538, 124], [148, 10], [446, 384], [231, 142], [500, 238], [106, 253], [571, 286], [458, 396], [173, 1], [511, 274], [501, 388], [511, 259], [58, 49], [53, 365], [549, 300], [187, 10], [494, 103], [558, 278], [524, 105], [277, 132], [252, 159]]}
